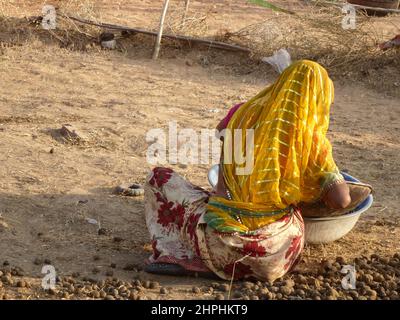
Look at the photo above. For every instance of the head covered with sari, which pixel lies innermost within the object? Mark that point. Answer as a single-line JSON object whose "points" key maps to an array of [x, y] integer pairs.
{"points": [[292, 158]]}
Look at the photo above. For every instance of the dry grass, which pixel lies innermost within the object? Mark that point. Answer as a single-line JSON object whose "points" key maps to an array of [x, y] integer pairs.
{"points": [[193, 25], [317, 35]]}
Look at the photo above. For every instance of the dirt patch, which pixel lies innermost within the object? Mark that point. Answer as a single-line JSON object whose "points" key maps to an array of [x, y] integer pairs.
{"points": [[49, 189]]}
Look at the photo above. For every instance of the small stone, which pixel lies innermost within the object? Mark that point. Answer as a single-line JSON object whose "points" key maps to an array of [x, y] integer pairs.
{"points": [[274, 289], [69, 131], [237, 294], [219, 297], [137, 282], [95, 270], [196, 290], [7, 279], [371, 293], [114, 292], [248, 285], [286, 290], [300, 293], [102, 232], [302, 279], [52, 291], [392, 285], [109, 297], [394, 296], [132, 296], [384, 260], [118, 239], [130, 267], [368, 278], [270, 296], [289, 283], [379, 278], [224, 287], [340, 260], [375, 257], [109, 273], [122, 289], [163, 290], [332, 292], [154, 285]]}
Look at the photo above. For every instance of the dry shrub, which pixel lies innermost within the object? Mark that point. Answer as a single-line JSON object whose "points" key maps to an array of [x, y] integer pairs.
{"points": [[314, 33], [317, 35], [194, 24], [18, 24]]}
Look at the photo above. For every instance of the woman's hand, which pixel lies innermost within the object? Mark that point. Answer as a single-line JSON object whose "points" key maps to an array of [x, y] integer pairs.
{"points": [[338, 196]]}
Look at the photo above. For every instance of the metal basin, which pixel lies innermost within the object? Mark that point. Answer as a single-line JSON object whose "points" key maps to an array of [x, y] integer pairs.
{"points": [[324, 229]]}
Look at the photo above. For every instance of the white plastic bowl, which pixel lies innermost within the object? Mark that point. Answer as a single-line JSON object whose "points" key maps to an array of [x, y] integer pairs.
{"points": [[213, 175], [323, 229]]}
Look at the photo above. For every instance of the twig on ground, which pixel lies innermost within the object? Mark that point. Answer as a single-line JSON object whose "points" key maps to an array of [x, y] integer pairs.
{"points": [[190, 40]]}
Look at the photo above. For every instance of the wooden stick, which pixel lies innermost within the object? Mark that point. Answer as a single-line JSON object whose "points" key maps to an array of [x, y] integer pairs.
{"points": [[190, 40], [160, 31], [357, 6], [187, 2]]}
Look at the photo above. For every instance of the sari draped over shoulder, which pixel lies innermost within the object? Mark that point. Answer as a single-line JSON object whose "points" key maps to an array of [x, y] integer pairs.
{"points": [[291, 157]]}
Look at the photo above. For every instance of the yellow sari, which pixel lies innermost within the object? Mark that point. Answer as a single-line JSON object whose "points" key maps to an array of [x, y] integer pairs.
{"points": [[292, 158]]}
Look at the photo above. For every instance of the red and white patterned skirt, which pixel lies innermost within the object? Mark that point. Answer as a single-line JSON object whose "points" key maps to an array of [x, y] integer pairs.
{"points": [[174, 210]]}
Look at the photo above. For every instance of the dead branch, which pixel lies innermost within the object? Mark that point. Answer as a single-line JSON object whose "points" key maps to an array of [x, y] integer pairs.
{"points": [[189, 40]]}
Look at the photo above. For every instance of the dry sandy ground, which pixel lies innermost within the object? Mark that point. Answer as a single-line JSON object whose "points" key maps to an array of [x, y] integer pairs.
{"points": [[115, 98]]}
